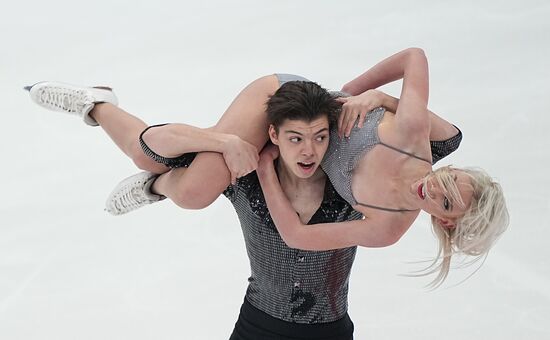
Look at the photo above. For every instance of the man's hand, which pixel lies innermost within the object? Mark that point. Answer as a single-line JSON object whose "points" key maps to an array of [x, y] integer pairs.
{"points": [[240, 157], [268, 154]]}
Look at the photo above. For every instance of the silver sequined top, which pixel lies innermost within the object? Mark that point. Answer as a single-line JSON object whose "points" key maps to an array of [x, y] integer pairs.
{"points": [[343, 154]]}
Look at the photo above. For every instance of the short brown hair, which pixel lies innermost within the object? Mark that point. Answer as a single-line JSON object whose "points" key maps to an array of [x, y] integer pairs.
{"points": [[301, 100]]}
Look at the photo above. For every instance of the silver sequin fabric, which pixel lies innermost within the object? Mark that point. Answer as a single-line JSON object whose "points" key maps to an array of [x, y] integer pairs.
{"points": [[343, 154], [293, 285], [290, 284]]}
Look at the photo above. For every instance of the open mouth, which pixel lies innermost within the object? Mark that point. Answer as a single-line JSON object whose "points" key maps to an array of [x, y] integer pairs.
{"points": [[306, 166], [421, 191]]}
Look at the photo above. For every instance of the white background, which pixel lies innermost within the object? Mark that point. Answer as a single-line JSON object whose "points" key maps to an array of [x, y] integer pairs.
{"points": [[68, 270]]}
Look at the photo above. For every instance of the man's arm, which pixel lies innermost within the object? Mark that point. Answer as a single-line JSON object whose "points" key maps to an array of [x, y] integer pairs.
{"points": [[173, 140], [322, 236]]}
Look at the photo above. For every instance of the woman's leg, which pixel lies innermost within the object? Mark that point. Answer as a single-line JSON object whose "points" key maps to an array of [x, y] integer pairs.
{"points": [[124, 129], [96, 106], [207, 177]]}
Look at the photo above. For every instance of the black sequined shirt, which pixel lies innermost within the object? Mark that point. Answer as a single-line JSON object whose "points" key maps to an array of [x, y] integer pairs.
{"points": [[291, 284]]}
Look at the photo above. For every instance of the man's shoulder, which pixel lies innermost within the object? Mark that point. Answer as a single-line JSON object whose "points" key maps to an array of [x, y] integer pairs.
{"points": [[245, 186], [335, 208]]}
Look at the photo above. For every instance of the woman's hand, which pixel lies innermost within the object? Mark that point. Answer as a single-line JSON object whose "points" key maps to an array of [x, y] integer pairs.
{"points": [[240, 157], [357, 107]]}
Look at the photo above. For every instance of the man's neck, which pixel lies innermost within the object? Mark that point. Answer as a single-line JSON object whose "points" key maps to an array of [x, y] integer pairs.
{"points": [[288, 179], [305, 194]]}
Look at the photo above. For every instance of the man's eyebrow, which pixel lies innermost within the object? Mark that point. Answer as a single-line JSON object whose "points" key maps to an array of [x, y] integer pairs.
{"points": [[292, 131], [299, 133]]}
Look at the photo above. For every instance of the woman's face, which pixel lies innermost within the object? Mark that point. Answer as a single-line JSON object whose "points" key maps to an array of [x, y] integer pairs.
{"points": [[302, 144], [436, 199]]}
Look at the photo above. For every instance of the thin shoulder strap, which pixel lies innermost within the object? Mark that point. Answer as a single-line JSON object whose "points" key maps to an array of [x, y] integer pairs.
{"points": [[405, 152], [385, 209], [393, 209]]}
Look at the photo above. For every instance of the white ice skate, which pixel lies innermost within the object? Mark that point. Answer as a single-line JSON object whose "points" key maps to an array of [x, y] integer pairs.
{"points": [[132, 193], [72, 99]]}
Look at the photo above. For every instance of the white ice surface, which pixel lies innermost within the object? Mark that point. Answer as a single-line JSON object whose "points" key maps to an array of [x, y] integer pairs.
{"points": [[68, 270]]}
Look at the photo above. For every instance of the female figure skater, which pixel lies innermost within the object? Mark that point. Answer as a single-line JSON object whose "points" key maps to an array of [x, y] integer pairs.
{"points": [[384, 170], [468, 208]]}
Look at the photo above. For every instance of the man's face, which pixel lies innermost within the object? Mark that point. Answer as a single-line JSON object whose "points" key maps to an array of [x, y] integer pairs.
{"points": [[302, 144]]}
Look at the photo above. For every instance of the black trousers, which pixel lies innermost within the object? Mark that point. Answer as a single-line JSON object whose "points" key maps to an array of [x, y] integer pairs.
{"points": [[253, 324]]}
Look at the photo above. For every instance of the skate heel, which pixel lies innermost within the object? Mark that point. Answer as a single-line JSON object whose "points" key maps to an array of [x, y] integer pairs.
{"points": [[29, 87], [104, 88]]}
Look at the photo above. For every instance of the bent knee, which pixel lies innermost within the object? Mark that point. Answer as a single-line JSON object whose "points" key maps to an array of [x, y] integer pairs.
{"points": [[267, 80], [263, 87], [193, 197]]}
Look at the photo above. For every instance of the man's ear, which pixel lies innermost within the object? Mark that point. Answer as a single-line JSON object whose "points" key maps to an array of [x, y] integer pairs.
{"points": [[273, 135]]}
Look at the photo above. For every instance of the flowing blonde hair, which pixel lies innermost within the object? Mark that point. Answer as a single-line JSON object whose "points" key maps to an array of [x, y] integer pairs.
{"points": [[474, 233]]}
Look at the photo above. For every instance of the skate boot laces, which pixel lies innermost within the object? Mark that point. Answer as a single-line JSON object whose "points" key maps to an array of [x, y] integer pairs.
{"points": [[132, 193], [65, 99], [130, 198]]}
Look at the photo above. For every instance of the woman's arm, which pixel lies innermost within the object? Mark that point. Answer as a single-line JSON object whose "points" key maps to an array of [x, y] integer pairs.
{"points": [[357, 107], [378, 75], [440, 130], [410, 65], [323, 236], [412, 112]]}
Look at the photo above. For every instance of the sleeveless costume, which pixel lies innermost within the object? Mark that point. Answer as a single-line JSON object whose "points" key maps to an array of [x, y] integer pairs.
{"points": [[294, 293]]}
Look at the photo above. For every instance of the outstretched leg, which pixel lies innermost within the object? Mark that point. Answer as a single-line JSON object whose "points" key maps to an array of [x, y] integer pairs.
{"points": [[194, 187], [124, 129], [97, 106]]}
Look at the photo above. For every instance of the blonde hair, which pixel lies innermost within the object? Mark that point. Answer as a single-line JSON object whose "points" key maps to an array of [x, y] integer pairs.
{"points": [[474, 233]]}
